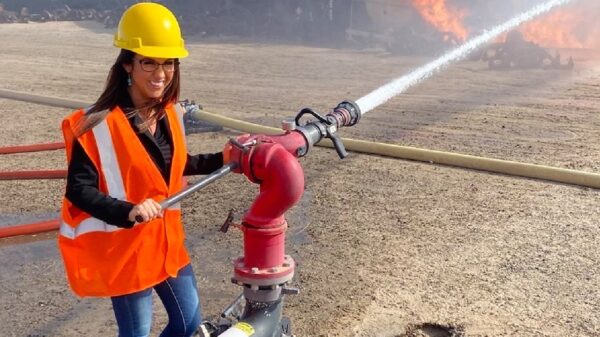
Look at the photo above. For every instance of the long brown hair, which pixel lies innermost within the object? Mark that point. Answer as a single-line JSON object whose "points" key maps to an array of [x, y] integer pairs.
{"points": [[115, 92]]}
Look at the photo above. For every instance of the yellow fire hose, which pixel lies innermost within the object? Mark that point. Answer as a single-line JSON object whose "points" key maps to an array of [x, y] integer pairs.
{"points": [[513, 168]]}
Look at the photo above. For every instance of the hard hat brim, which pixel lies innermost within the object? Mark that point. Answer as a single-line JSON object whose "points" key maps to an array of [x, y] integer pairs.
{"points": [[159, 52]]}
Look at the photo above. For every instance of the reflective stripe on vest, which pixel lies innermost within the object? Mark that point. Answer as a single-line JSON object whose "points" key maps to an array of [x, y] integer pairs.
{"points": [[180, 112], [108, 158], [114, 183], [95, 225]]}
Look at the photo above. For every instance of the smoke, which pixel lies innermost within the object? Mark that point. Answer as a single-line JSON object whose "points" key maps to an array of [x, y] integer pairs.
{"points": [[483, 14], [575, 26], [401, 84], [423, 26]]}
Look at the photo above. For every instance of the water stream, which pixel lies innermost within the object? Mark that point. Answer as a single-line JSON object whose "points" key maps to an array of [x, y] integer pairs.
{"points": [[401, 84]]}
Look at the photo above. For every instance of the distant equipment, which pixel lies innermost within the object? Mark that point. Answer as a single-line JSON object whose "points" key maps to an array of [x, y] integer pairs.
{"points": [[517, 53]]}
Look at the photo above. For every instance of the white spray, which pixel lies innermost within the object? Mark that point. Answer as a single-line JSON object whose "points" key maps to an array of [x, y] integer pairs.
{"points": [[399, 85]]}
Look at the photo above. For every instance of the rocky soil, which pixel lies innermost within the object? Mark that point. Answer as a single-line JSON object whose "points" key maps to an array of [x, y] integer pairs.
{"points": [[385, 247]]}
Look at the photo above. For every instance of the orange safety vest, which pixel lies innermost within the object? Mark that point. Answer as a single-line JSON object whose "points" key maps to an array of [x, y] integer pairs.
{"points": [[104, 260]]}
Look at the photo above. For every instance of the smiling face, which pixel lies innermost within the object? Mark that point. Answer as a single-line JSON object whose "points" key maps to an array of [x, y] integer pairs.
{"points": [[149, 78]]}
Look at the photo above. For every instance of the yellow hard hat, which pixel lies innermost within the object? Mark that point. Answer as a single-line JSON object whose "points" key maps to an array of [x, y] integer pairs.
{"points": [[151, 30]]}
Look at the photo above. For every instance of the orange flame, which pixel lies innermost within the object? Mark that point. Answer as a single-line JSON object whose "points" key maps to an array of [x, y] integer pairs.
{"points": [[572, 27], [442, 17]]}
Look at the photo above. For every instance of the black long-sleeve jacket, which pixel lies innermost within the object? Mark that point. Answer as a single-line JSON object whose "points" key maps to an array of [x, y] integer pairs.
{"points": [[82, 177]]}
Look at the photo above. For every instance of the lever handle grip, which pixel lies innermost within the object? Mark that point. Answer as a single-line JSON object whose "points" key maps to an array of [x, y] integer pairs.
{"points": [[339, 146]]}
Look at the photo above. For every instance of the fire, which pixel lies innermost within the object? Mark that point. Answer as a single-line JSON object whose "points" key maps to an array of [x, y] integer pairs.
{"points": [[571, 27], [442, 17]]}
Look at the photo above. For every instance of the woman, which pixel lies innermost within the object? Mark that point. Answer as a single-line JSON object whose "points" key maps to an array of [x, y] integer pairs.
{"points": [[126, 153]]}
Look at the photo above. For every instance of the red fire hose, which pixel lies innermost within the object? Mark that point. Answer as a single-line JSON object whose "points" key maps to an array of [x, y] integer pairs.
{"points": [[31, 148], [39, 174], [32, 228]]}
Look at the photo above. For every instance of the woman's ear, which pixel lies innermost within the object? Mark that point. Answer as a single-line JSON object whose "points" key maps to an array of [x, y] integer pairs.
{"points": [[128, 67]]}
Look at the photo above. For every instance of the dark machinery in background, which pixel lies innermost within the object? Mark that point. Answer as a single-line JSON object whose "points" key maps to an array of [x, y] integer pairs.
{"points": [[23, 11], [358, 23], [517, 53], [393, 25], [301, 21]]}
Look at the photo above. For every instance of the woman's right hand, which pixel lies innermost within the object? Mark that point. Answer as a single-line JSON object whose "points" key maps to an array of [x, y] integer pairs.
{"points": [[147, 210], [233, 154]]}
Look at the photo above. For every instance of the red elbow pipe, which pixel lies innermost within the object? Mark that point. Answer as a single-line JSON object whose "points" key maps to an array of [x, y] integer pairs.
{"points": [[281, 187], [281, 184], [272, 164]]}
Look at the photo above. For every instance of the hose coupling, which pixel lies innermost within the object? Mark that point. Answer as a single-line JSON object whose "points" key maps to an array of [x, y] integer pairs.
{"points": [[347, 113]]}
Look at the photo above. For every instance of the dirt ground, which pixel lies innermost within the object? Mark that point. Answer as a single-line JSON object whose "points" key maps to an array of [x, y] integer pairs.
{"points": [[385, 247]]}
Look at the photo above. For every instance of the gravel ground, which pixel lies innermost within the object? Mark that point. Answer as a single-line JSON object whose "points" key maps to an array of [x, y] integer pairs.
{"points": [[385, 247]]}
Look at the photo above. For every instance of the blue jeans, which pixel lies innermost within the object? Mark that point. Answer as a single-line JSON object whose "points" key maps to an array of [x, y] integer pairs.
{"points": [[179, 296]]}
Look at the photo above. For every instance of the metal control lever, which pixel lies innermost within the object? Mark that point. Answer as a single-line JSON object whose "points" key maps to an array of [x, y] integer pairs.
{"points": [[233, 307], [228, 222], [337, 144], [290, 290], [220, 173], [329, 127], [243, 147]]}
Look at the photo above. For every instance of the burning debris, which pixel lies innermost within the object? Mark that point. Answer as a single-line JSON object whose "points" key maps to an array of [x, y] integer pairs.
{"points": [[517, 53], [443, 17]]}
